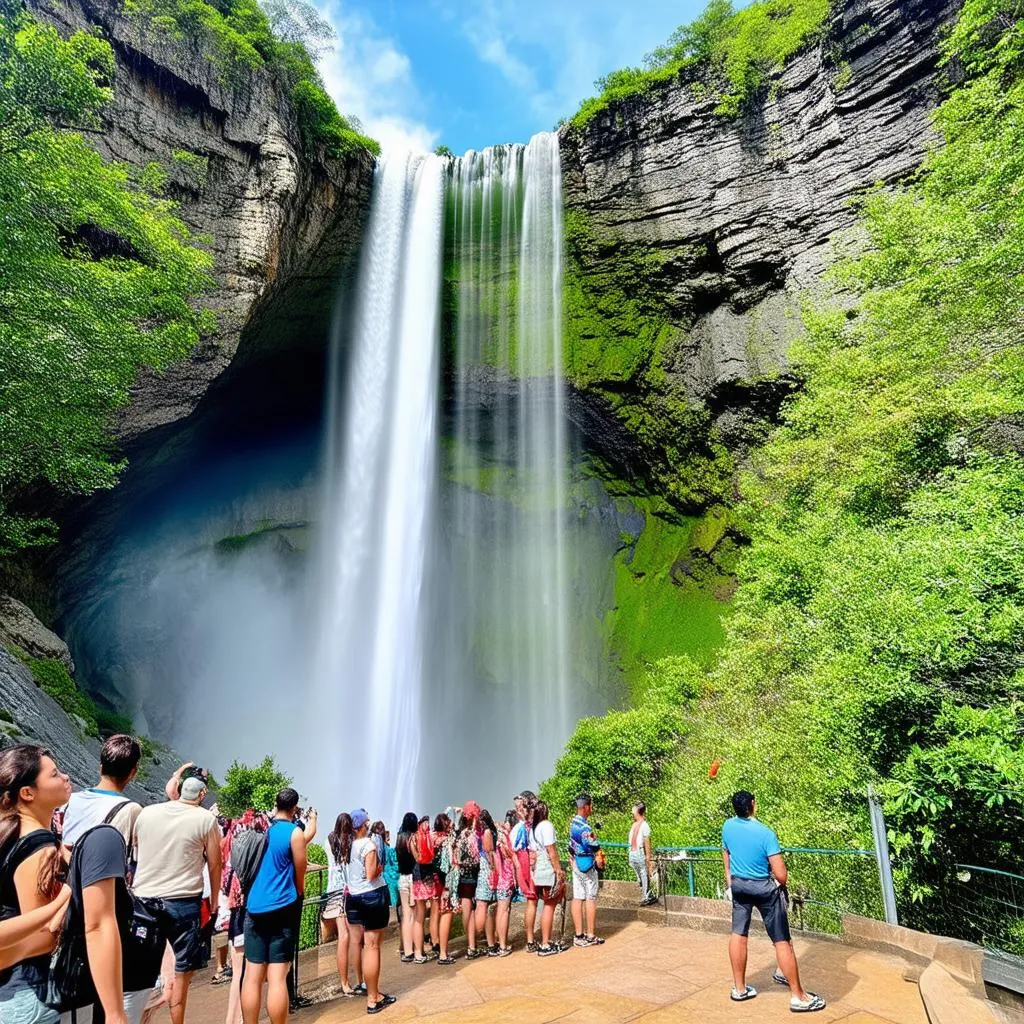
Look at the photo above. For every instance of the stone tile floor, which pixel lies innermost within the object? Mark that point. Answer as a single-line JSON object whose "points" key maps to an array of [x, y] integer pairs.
{"points": [[642, 973]]}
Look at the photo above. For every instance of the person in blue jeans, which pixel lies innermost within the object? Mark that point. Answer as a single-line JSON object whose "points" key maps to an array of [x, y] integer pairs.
{"points": [[755, 876], [271, 924]]}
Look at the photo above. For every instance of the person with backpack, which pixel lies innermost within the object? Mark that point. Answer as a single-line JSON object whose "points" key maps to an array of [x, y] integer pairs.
{"points": [[467, 853], [487, 881], [32, 787], [366, 906], [406, 866], [174, 842], [426, 890], [270, 920], [448, 878], [524, 846], [109, 933], [105, 802], [584, 851], [756, 876]]}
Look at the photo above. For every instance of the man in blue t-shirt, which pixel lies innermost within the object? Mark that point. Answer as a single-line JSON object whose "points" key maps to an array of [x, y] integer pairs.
{"points": [[583, 846], [755, 876], [271, 928]]}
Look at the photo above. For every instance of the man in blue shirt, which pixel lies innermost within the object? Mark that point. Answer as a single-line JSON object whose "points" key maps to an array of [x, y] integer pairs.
{"points": [[755, 876], [270, 922], [583, 847]]}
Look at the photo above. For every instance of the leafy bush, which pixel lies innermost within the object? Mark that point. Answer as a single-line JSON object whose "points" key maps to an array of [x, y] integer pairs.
{"points": [[738, 49], [96, 274], [254, 787]]}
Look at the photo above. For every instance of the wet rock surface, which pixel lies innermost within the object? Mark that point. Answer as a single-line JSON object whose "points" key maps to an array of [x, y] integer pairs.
{"points": [[735, 217]]}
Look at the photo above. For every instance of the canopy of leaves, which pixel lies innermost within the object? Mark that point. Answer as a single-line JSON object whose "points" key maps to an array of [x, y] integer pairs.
{"points": [[736, 49], [253, 787], [878, 632], [96, 273], [241, 36]]}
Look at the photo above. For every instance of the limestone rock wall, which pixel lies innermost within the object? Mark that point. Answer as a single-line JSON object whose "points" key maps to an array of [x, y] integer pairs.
{"points": [[281, 223], [729, 219]]}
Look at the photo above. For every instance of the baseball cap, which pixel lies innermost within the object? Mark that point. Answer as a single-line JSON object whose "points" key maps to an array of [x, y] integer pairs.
{"points": [[359, 818], [192, 789]]}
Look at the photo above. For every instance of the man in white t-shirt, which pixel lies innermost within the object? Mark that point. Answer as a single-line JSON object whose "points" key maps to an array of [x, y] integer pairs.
{"points": [[641, 857], [106, 803], [174, 842]]}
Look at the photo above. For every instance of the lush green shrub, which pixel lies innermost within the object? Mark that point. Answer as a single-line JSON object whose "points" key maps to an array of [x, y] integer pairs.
{"points": [[736, 49], [251, 787]]}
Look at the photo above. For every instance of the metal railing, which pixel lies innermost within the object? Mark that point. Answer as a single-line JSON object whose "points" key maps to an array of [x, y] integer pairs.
{"points": [[987, 906]]}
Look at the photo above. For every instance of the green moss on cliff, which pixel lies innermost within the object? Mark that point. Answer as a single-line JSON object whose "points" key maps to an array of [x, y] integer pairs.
{"points": [[618, 339], [738, 49], [52, 676]]}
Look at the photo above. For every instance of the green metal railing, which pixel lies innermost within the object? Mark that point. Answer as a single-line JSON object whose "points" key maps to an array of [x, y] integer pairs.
{"points": [[987, 907]]}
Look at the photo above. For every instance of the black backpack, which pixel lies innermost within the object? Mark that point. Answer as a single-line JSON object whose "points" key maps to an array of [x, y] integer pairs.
{"points": [[142, 942], [248, 848]]}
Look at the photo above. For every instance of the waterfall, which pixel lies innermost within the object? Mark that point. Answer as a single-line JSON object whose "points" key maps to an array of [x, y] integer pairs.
{"points": [[368, 675], [443, 666]]}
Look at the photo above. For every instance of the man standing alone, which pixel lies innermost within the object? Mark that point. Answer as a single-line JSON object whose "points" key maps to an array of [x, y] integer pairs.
{"points": [[271, 923], [583, 847], [756, 875], [174, 841]]}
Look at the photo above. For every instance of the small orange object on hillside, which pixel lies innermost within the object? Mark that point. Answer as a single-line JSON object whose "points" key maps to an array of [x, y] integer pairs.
{"points": [[713, 770]]}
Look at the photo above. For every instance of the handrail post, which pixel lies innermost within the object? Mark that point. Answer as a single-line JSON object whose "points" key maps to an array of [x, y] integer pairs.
{"points": [[881, 838]]}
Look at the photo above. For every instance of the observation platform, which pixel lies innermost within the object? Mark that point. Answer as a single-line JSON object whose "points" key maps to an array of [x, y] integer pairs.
{"points": [[661, 966]]}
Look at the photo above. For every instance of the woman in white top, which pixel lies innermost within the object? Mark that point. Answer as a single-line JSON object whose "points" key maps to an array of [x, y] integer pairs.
{"points": [[641, 859], [334, 908], [548, 876], [366, 904]]}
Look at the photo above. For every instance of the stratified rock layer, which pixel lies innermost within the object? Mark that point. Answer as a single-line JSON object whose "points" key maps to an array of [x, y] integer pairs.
{"points": [[283, 224], [728, 220]]}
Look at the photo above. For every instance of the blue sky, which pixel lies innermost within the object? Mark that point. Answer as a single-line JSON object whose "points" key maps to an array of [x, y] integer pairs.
{"points": [[470, 73]]}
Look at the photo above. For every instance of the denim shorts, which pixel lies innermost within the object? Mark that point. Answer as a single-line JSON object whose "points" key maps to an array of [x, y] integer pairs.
{"points": [[180, 922], [767, 896], [25, 1007]]}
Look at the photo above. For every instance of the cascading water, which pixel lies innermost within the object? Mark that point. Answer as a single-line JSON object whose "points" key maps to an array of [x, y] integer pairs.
{"points": [[379, 496], [446, 640]]}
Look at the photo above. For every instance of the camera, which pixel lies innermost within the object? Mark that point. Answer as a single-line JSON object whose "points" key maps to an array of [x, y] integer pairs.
{"points": [[195, 772]]}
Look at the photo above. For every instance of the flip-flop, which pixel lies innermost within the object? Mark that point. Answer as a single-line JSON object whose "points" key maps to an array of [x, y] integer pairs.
{"points": [[382, 1004], [814, 1004], [741, 997]]}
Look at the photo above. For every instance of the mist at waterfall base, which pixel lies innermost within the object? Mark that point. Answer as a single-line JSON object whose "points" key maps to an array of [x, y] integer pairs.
{"points": [[435, 631]]}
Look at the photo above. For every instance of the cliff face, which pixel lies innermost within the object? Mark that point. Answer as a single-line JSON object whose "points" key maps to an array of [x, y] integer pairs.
{"points": [[707, 228], [282, 224]]}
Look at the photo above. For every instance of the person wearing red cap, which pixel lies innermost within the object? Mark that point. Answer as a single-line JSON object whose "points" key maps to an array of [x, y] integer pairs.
{"points": [[467, 849]]}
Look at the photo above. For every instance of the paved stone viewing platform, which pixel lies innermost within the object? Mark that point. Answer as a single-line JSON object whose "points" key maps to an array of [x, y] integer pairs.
{"points": [[660, 975]]}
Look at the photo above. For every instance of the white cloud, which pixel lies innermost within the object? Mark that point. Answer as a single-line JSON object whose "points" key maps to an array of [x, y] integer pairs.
{"points": [[371, 79]]}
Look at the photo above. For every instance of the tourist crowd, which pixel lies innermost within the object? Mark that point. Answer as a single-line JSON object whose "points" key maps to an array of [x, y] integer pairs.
{"points": [[108, 908]]}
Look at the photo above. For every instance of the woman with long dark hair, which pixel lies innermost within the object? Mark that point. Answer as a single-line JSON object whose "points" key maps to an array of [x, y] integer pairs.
{"points": [[506, 882], [487, 881], [448, 879], [548, 875], [406, 867], [425, 890], [32, 787], [467, 853], [338, 842], [366, 905]]}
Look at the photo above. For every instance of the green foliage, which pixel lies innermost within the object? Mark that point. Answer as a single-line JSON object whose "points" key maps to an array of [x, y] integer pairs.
{"points": [[443, 150], [737, 49], [53, 677], [618, 333], [619, 756], [878, 632], [96, 274], [243, 36], [251, 787]]}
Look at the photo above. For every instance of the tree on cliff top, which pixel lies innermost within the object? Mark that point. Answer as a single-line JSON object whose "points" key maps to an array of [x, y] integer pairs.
{"points": [[96, 273], [251, 786]]}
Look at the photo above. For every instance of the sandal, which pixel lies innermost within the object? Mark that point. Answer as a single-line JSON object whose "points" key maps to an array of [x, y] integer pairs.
{"points": [[472, 954], [360, 989], [505, 951], [445, 961], [421, 959], [349, 993], [408, 958], [382, 1004], [812, 1005], [221, 978], [740, 997]]}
